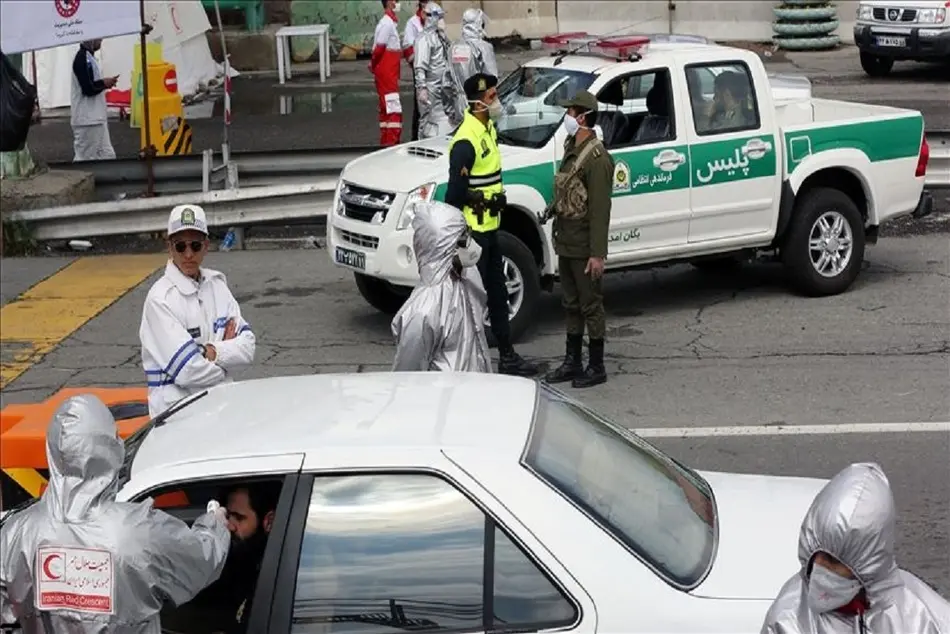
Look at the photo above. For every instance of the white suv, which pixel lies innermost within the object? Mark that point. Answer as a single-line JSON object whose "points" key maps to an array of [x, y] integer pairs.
{"points": [[892, 30]]}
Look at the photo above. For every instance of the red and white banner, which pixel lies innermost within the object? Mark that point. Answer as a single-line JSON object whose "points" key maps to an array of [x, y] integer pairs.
{"points": [[31, 25]]}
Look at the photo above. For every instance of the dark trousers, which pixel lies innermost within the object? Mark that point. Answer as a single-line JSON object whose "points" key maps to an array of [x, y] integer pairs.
{"points": [[492, 269], [582, 297], [415, 117]]}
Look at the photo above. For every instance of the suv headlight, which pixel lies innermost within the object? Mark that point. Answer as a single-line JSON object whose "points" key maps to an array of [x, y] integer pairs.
{"points": [[423, 193], [337, 202], [931, 16], [865, 12]]}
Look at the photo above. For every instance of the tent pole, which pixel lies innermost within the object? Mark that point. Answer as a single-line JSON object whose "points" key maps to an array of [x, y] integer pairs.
{"points": [[149, 150], [225, 145]]}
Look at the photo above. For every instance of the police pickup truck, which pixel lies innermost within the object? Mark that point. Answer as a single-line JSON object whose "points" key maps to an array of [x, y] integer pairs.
{"points": [[803, 179]]}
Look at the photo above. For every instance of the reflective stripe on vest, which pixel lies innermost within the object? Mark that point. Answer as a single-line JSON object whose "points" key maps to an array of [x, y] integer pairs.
{"points": [[486, 172]]}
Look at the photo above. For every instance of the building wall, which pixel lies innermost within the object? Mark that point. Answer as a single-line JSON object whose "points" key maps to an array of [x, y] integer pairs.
{"points": [[352, 22]]}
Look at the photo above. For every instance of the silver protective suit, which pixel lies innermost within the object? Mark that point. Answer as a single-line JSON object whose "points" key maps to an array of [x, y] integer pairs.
{"points": [[153, 555], [471, 54], [853, 519], [442, 325], [435, 89]]}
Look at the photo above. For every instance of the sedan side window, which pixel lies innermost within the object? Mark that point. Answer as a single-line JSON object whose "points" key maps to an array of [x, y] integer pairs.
{"points": [[410, 551]]}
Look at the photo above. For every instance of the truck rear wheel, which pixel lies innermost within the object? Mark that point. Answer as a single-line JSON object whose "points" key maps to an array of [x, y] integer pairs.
{"points": [[824, 247], [875, 65], [380, 294], [523, 280]]}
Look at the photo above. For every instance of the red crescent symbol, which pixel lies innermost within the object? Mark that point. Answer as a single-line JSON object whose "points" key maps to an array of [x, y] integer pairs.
{"points": [[46, 570]]}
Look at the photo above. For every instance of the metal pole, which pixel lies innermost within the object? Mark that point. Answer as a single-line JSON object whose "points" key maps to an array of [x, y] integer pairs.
{"points": [[225, 147], [149, 149]]}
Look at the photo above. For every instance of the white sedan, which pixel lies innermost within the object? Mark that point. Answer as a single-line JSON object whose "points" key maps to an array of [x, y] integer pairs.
{"points": [[471, 503]]}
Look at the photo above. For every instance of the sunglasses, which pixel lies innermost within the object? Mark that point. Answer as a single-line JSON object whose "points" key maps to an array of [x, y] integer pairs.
{"points": [[196, 246]]}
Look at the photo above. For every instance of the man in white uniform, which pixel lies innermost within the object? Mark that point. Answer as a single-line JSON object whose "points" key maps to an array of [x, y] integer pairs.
{"points": [[88, 113], [192, 330]]}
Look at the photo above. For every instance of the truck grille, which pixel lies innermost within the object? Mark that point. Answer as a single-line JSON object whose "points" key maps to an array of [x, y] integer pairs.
{"points": [[359, 239], [365, 205], [894, 14]]}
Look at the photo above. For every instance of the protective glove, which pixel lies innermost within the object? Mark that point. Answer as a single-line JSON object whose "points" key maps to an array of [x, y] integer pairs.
{"points": [[422, 96], [220, 513]]}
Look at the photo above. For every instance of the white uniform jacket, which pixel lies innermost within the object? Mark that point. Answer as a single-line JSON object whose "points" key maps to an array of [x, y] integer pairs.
{"points": [[181, 313]]}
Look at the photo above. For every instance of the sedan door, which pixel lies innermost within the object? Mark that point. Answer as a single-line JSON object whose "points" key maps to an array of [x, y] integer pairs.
{"points": [[404, 547]]}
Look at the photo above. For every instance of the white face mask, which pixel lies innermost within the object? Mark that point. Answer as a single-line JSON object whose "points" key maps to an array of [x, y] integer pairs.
{"points": [[397, 8], [829, 591], [494, 108], [571, 125], [441, 24], [469, 254]]}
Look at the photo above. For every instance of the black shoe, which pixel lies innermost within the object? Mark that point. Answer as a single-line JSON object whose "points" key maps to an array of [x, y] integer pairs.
{"points": [[510, 362], [573, 365], [595, 373]]}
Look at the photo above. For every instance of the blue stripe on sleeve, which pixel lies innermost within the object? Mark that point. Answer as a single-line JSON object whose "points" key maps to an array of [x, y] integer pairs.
{"points": [[183, 363], [188, 344]]}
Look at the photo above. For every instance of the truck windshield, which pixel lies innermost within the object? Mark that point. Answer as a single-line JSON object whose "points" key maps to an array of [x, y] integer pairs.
{"points": [[529, 98], [660, 511]]}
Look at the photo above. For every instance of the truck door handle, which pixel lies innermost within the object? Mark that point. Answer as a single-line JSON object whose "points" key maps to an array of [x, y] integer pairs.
{"points": [[669, 159], [756, 148]]}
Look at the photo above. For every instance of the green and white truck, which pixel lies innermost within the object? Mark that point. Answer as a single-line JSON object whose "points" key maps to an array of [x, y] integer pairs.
{"points": [[806, 180]]}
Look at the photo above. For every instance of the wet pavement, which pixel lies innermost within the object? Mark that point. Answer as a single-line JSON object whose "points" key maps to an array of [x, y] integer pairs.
{"points": [[307, 114]]}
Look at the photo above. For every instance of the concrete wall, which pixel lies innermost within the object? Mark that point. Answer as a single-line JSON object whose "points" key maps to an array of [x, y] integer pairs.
{"points": [[719, 20], [352, 22]]}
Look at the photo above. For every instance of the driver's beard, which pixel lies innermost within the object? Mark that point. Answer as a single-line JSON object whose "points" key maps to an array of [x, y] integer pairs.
{"points": [[250, 550]]}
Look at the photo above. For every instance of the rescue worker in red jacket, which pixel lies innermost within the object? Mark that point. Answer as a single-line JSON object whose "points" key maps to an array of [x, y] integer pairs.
{"points": [[385, 62]]}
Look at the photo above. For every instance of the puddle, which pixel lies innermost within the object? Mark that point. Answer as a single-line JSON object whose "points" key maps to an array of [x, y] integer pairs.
{"points": [[248, 103]]}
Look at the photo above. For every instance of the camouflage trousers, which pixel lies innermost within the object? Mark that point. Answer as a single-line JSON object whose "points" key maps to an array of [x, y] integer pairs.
{"points": [[582, 298]]}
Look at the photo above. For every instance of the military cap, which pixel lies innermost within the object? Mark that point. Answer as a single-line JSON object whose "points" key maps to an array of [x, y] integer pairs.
{"points": [[479, 83], [583, 100]]}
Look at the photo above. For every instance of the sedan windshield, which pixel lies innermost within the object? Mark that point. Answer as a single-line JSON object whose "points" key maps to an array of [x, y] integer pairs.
{"points": [[530, 98], [659, 510]]}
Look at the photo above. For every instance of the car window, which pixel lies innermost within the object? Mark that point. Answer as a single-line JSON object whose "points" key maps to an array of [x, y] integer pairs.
{"points": [[391, 552], [733, 107], [660, 511], [637, 109], [530, 97]]}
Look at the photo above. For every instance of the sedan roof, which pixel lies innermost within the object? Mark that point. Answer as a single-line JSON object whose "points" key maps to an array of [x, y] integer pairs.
{"points": [[338, 411]]}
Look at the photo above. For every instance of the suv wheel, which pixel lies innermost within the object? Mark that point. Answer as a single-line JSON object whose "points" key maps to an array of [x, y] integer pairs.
{"points": [[523, 280], [824, 247], [380, 294], [875, 65]]}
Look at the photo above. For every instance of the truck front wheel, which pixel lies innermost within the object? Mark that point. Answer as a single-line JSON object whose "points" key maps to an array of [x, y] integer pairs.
{"points": [[824, 247], [380, 294], [875, 65]]}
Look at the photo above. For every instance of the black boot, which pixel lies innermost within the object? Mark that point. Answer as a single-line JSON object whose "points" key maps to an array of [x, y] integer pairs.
{"points": [[595, 374], [510, 362], [573, 365]]}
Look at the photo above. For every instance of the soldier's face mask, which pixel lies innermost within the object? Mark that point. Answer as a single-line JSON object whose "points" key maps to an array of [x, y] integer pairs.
{"points": [[571, 124]]}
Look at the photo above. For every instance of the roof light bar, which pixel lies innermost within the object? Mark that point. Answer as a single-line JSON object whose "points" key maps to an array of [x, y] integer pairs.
{"points": [[620, 47]]}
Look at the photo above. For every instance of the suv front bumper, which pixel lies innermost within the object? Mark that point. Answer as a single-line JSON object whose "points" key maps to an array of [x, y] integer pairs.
{"points": [[920, 43]]}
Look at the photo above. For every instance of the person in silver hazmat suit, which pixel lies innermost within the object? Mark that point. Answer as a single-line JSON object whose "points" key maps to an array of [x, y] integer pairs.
{"points": [[849, 581], [442, 324], [435, 89], [78, 561], [469, 55]]}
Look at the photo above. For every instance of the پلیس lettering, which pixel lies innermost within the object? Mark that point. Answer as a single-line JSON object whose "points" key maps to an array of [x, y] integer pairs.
{"points": [[729, 166]]}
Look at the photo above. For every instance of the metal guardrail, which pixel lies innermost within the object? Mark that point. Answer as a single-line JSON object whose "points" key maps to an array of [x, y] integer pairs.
{"points": [[224, 208], [180, 174], [275, 186]]}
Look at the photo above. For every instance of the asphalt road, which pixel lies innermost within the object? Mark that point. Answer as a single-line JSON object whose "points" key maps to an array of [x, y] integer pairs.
{"points": [[685, 349], [342, 112]]}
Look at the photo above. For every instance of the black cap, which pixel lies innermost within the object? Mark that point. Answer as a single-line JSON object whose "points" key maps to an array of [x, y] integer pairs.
{"points": [[479, 83]]}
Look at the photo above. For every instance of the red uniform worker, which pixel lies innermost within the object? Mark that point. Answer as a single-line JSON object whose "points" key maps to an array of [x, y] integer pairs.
{"points": [[387, 56]]}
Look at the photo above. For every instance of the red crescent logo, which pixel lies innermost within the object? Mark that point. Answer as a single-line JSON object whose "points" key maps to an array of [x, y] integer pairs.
{"points": [[47, 571], [67, 8]]}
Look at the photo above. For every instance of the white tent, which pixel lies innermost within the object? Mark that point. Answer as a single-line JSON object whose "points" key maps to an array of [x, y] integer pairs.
{"points": [[180, 26]]}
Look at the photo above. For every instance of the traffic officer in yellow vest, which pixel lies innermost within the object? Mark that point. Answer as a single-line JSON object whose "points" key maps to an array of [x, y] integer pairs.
{"points": [[475, 187], [581, 209]]}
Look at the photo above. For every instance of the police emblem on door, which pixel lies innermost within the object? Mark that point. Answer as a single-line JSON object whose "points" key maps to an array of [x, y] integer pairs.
{"points": [[621, 178]]}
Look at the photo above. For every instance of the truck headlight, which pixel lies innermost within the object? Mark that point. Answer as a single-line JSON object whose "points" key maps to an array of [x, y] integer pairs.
{"points": [[423, 193], [931, 16], [865, 12], [337, 202]]}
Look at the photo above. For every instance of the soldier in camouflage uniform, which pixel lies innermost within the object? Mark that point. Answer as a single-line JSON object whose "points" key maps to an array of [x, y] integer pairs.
{"points": [[581, 210]]}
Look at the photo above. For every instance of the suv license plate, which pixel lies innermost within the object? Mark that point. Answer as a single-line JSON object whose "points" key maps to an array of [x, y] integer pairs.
{"points": [[353, 259], [892, 41]]}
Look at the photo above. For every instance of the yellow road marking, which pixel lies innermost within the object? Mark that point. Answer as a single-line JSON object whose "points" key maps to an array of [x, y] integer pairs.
{"points": [[30, 479], [42, 317]]}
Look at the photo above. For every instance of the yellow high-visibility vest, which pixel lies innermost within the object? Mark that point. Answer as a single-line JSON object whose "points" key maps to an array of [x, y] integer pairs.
{"points": [[486, 172]]}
